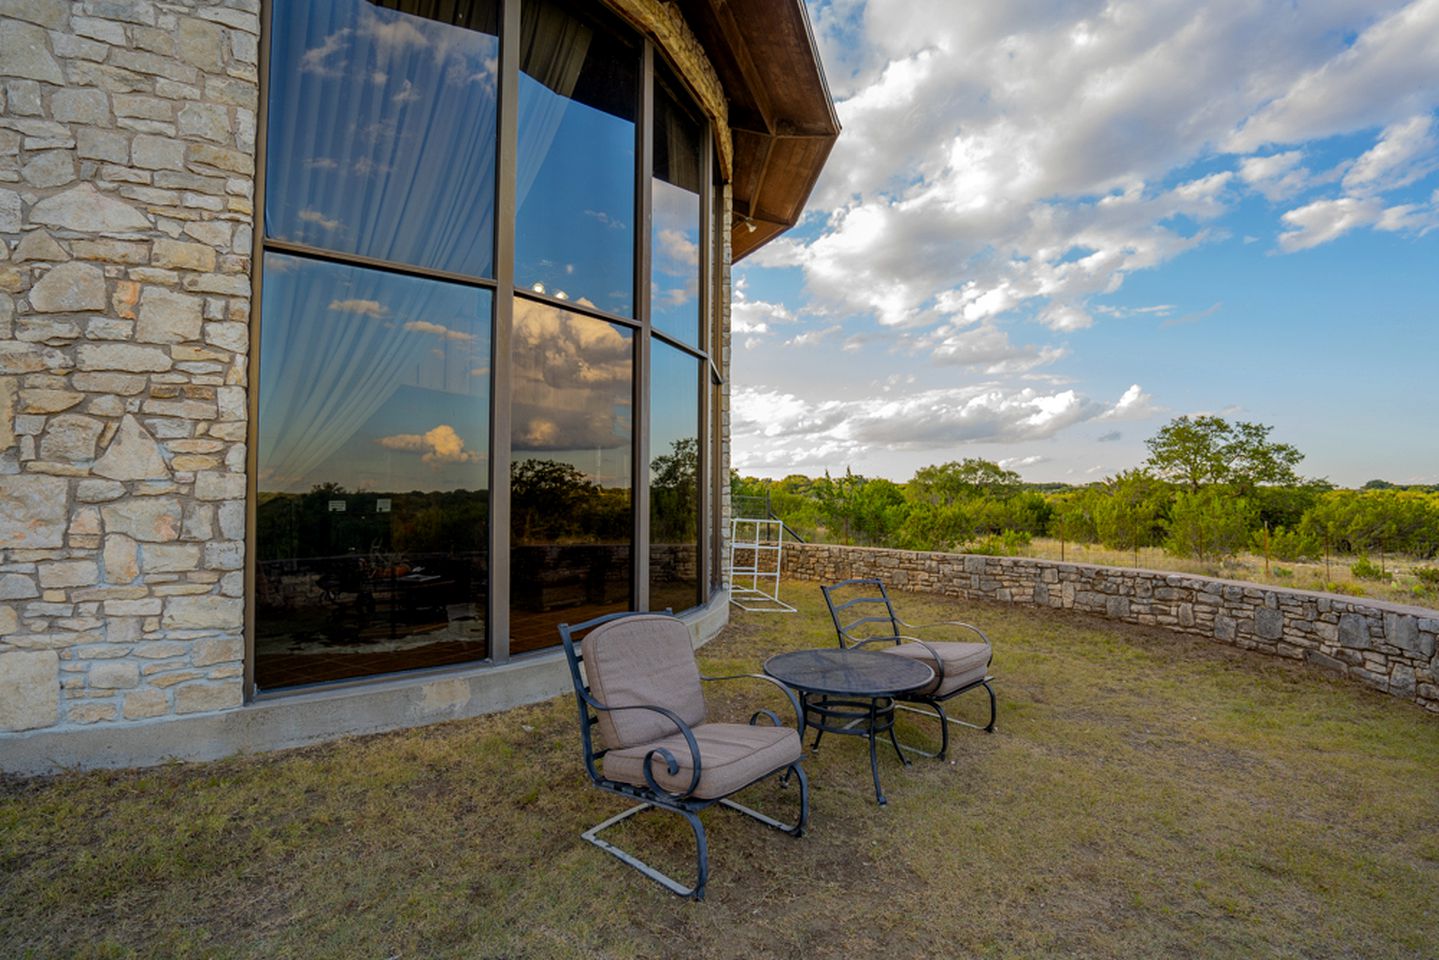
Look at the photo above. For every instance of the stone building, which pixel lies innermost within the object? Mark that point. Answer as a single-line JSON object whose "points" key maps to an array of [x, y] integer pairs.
{"points": [[348, 347]]}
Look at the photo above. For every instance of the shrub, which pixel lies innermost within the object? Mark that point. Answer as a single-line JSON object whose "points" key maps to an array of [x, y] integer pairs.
{"points": [[1283, 573], [1007, 544], [1366, 569], [1428, 577], [1290, 545], [1347, 589]]}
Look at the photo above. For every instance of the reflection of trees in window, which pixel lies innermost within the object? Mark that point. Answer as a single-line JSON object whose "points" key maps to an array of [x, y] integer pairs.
{"points": [[674, 497], [554, 502], [295, 526]]}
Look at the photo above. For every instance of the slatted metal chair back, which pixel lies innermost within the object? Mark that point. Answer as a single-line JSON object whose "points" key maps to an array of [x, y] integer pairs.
{"points": [[861, 610]]}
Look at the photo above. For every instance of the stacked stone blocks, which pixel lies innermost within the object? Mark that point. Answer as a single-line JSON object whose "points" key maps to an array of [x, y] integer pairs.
{"points": [[127, 144], [1387, 646]]}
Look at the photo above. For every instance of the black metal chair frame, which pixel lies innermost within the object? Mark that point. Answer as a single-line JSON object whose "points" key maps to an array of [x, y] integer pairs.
{"points": [[901, 632], [653, 795]]}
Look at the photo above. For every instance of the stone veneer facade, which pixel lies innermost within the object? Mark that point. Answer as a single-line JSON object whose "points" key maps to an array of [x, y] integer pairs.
{"points": [[127, 218], [127, 153], [1387, 646]]}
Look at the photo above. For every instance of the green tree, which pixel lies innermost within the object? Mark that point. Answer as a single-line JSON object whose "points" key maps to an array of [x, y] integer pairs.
{"points": [[1131, 512], [962, 480], [1204, 450], [1209, 525]]}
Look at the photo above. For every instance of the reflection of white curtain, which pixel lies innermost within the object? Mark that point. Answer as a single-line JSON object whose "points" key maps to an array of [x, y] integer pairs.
{"points": [[383, 148], [324, 371], [677, 144], [553, 46]]}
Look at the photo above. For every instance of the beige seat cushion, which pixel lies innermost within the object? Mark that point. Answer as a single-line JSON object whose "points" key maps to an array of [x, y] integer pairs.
{"points": [[644, 659], [964, 663], [732, 755]]}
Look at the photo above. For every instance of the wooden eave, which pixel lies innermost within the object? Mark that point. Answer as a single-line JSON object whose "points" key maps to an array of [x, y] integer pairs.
{"points": [[781, 115]]}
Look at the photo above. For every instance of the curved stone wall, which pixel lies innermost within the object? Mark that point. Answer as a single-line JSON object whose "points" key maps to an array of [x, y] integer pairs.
{"points": [[1387, 646]]}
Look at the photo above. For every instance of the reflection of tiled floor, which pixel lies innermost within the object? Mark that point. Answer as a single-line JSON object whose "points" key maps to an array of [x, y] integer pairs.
{"points": [[529, 631], [274, 670], [536, 631]]}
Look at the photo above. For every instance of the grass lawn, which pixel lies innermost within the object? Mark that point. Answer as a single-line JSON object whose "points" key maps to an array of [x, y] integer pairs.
{"points": [[1145, 796]]}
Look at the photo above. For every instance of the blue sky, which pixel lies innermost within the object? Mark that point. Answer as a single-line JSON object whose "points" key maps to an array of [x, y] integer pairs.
{"points": [[1050, 227]]}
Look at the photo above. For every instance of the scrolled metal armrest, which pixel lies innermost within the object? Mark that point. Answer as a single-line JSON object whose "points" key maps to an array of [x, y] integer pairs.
{"points": [[765, 712], [789, 694], [671, 764]]}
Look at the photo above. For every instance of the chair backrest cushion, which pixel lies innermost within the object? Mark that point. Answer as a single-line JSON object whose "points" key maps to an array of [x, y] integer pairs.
{"points": [[644, 659]]}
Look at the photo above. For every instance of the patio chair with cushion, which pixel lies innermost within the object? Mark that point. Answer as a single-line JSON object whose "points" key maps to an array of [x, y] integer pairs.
{"points": [[640, 693], [864, 616]]}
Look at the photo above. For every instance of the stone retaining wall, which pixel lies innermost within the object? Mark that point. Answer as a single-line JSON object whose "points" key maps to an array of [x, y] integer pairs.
{"points": [[127, 143], [1387, 646]]}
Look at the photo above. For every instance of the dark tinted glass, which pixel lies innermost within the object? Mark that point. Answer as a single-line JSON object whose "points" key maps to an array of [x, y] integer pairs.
{"points": [[382, 131], [572, 520], [373, 472], [575, 167], [675, 196], [674, 478]]}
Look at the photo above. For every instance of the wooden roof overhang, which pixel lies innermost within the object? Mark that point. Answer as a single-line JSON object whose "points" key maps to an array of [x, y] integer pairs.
{"points": [[781, 116]]}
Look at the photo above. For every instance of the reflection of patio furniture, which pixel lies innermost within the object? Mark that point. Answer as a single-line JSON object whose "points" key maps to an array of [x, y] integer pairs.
{"points": [[958, 666], [641, 691]]}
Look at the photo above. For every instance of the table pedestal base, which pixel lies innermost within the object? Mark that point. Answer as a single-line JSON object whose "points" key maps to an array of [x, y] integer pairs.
{"points": [[857, 717]]}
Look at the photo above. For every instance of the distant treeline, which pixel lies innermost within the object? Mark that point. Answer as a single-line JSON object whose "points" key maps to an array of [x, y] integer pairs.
{"points": [[1210, 489]]}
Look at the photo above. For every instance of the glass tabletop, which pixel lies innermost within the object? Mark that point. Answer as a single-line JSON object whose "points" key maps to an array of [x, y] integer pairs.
{"points": [[864, 673]]}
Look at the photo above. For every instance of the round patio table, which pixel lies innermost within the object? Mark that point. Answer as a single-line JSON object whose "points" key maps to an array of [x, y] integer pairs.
{"points": [[849, 692]]}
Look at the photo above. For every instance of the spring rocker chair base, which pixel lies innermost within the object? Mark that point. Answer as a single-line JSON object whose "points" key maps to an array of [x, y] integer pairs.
{"points": [[696, 892], [936, 711]]}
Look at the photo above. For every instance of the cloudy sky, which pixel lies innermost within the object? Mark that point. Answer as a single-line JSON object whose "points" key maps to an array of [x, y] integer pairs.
{"points": [[1050, 226]]}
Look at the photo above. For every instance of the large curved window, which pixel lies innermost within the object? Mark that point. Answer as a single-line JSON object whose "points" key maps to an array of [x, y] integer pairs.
{"points": [[394, 303]]}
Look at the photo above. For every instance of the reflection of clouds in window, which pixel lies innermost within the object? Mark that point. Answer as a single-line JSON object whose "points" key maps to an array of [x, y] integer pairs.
{"points": [[437, 446], [678, 251], [609, 221], [407, 93], [438, 330], [675, 251], [317, 59], [572, 377], [318, 219], [366, 308]]}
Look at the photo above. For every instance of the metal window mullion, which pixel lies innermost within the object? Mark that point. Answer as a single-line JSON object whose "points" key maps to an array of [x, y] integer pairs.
{"points": [[252, 439], [498, 626], [644, 172], [705, 468]]}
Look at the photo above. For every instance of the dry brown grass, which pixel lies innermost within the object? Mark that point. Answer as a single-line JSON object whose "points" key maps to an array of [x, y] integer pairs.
{"points": [[1145, 796]]}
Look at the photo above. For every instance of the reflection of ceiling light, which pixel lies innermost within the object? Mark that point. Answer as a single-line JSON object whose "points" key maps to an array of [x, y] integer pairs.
{"points": [[537, 287]]}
